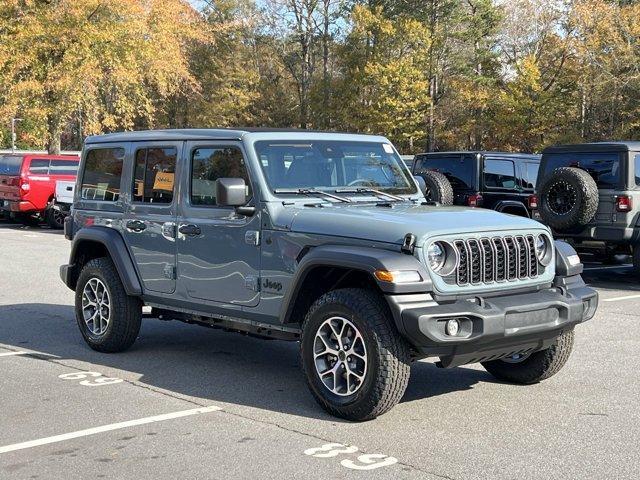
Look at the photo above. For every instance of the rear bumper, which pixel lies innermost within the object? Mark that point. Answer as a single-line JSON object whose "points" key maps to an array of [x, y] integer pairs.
{"points": [[493, 327], [17, 206], [605, 234]]}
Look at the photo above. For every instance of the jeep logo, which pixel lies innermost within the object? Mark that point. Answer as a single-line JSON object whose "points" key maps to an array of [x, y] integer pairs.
{"points": [[269, 285]]}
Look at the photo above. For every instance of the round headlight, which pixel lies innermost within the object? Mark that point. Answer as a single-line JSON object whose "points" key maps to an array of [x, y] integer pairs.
{"points": [[436, 256], [543, 247]]}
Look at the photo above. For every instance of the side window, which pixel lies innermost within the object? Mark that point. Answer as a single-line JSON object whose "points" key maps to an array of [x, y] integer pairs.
{"points": [[530, 172], [499, 174], [154, 175], [63, 167], [102, 173], [637, 168], [210, 163], [39, 166]]}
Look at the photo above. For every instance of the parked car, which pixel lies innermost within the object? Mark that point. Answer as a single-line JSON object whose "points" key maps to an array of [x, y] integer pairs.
{"points": [[28, 182], [504, 182], [321, 238], [63, 199], [590, 196]]}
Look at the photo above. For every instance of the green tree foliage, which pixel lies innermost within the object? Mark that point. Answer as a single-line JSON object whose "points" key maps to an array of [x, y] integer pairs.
{"points": [[430, 74]]}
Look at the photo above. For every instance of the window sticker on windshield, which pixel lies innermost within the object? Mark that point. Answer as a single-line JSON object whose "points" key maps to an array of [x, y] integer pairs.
{"points": [[387, 148]]}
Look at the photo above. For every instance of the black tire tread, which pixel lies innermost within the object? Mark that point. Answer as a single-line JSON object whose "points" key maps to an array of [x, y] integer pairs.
{"points": [[394, 358], [585, 211], [126, 310], [539, 366], [440, 186]]}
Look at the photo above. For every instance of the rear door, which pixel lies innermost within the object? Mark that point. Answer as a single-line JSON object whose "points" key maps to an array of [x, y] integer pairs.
{"points": [[502, 188], [149, 223]]}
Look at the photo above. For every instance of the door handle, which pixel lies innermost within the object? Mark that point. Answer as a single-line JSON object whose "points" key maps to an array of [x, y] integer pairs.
{"points": [[190, 229], [136, 225]]}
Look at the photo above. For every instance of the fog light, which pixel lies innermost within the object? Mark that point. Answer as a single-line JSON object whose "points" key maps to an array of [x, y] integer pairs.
{"points": [[453, 327]]}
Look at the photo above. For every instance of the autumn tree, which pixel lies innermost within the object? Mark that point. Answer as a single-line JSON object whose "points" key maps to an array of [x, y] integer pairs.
{"points": [[110, 61]]}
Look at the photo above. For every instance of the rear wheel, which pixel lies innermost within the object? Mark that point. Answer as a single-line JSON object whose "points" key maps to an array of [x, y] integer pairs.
{"points": [[54, 217], [355, 361], [534, 367], [108, 318]]}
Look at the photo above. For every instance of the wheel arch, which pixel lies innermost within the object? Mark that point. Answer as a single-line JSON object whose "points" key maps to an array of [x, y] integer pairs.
{"points": [[330, 267], [94, 242], [508, 206]]}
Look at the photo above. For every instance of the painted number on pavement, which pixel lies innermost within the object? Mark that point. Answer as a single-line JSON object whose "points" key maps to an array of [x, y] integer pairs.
{"points": [[369, 461], [90, 379]]}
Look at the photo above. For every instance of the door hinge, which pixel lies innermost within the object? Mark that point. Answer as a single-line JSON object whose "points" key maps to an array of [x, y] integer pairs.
{"points": [[252, 282], [170, 272], [252, 237]]}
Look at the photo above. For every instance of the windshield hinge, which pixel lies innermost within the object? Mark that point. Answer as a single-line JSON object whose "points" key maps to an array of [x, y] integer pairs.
{"points": [[408, 244]]}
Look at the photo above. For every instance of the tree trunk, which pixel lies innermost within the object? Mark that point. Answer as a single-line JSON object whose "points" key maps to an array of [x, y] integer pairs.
{"points": [[54, 130]]}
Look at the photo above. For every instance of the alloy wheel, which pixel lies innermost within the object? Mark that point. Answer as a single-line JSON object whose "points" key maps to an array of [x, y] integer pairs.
{"points": [[96, 306]]}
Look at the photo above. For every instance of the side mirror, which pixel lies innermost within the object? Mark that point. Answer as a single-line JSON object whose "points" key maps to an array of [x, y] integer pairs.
{"points": [[231, 192], [421, 183]]}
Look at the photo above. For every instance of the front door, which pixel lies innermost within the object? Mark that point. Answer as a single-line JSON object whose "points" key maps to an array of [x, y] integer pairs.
{"points": [[218, 249], [149, 222]]}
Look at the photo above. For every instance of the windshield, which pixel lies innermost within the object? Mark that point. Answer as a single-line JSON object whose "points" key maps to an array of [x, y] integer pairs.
{"points": [[331, 165], [603, 167], [10, 164]]}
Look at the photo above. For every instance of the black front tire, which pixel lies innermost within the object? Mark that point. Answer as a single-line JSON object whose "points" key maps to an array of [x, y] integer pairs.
{"points": [[54, 218], [536, 367], [126, 311], [388, 364]]}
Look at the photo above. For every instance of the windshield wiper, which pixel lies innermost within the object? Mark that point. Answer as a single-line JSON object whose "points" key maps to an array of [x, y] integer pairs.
{"points": [[311, 192], [380, 193]]}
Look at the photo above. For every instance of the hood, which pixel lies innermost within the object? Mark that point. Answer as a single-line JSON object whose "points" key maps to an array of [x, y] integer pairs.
{"points": [[391, 224]]}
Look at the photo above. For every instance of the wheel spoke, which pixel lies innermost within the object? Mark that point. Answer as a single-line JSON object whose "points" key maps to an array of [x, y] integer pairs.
{"points": [[341, 371]]}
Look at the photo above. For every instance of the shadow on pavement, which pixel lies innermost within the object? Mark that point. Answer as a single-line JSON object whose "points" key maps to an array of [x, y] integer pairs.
{"points": [[205, 363]]}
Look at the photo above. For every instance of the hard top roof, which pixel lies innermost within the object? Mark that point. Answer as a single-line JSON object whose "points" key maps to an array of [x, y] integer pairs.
{"points": [[617, 146], [482, 152], [215, 134]]}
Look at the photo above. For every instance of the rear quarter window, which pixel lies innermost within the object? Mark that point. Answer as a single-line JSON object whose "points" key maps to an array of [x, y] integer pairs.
{"points": [[500, 174], [39, 166], [604, 167], [102, 174], [459, 169], [10, 164]]}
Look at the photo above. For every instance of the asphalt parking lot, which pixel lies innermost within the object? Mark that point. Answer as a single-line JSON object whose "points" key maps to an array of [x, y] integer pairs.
{"points": [[190, 402]]}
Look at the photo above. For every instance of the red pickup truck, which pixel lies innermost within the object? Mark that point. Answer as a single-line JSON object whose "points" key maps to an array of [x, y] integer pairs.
{"points": [[28, 184]]}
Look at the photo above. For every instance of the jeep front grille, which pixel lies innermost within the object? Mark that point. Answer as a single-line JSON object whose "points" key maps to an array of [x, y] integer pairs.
{"points": [[495, 259]]}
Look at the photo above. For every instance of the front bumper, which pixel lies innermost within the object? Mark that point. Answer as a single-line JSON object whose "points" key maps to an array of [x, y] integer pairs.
{"points": [[493, 327]]}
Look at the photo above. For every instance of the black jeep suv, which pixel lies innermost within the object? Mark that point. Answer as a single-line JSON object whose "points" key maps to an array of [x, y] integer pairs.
{"points": [[503, 182]]}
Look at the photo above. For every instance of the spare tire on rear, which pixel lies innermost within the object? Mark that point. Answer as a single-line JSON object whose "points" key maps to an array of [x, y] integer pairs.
{"points": [[438, 188], [568, 198]]}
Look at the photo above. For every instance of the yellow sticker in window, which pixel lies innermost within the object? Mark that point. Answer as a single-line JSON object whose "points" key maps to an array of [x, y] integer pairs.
{"points": [[163, 181]]}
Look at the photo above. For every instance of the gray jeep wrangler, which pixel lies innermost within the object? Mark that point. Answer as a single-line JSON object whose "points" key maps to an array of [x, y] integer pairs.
{"points": [[321, 238], [589, 194]]}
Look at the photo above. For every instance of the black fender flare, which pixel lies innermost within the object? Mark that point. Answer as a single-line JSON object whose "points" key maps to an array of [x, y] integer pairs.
{"points": [[364, 259], [114, 243], [504, 204]]}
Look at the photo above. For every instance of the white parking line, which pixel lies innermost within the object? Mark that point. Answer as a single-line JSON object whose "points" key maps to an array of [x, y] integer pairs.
{"points": [[106, 428], [8, 354], [618, 299]]}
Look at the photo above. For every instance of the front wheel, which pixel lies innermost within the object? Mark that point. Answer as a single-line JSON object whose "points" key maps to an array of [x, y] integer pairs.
{"points": [[535, 367], [355, 361], [54, 217]]}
